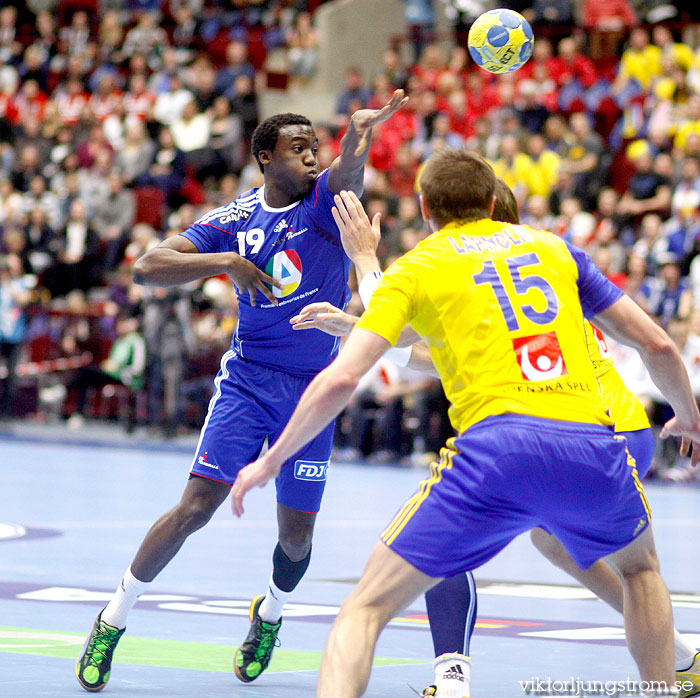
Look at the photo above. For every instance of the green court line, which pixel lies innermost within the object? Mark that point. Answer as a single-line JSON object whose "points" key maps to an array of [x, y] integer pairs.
{"points": [[147, 651]]}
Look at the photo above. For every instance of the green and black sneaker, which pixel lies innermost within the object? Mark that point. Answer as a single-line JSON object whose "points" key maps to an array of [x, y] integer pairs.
{"points": [[253, 656], [94, 664]]}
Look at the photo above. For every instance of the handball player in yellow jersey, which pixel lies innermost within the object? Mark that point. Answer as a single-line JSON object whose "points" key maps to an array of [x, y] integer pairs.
{"points": [[501, 308], [451, 604]]}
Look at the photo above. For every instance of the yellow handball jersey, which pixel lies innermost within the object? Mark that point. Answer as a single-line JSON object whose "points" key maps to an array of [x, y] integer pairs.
{"points": [[500, 307], [625, 409]]}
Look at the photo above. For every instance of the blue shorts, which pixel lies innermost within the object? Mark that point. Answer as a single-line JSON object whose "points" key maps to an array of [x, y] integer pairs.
{"points": [[511, 473], [252, 403], [640, 444]]}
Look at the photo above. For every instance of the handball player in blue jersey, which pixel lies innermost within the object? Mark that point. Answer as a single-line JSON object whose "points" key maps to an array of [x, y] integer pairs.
{"points": [[281, 247]]}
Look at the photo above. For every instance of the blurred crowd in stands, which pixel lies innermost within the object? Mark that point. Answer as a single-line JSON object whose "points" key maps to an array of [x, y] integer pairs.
{"points": [[123, 122]]}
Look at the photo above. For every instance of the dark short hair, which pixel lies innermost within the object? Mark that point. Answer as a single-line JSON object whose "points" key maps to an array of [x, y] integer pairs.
{"points": [[457, 186], [267, 132], [505, 210]]}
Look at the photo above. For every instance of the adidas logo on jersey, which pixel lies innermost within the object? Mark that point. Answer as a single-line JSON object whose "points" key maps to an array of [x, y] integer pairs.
{"points": [[281, 226], [454, 672]]}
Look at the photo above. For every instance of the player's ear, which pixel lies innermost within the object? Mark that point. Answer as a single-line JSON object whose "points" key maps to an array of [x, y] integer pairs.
{"points": [[424, 209], [264, 157], [491, 206]]}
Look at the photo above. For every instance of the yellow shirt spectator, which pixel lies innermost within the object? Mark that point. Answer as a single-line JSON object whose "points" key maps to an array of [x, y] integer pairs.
{"points": [[515, 170], [642, 65], [542, 173]]}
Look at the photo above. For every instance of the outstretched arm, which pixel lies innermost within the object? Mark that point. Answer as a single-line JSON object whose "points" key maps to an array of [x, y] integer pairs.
{"points": [[177, 261], [346, 170]]}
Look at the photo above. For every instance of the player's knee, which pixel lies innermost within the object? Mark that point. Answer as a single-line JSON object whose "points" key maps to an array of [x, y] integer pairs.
{"points": [[637, 567], [296, 543], [194, 514]]}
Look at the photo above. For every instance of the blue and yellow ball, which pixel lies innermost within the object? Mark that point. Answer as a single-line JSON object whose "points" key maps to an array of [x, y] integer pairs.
{"points": [[500, 41]]}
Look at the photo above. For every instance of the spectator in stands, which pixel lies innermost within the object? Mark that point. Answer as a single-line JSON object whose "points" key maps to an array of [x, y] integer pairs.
{"points": [[355, 92], [606, 21], [146, 37], [403, 175], [41, 241], [134, 158], [10, 203], [393, 69], [639, 67], [689, 122], [537, 214], [559, 138], [652, 245], [513, 165], [192, 134], [112, 220], [544, 168], [48, 201], [245, 104], [667, 295], [77, 34], [583, 159], [225, 139], [302, 48], [237, 64], [79, 245], [680, 54], [170, 104], [167, 169], [15, 295], [573, 72], [647, 191], [138, 100], [125, 366], [111, 37]]}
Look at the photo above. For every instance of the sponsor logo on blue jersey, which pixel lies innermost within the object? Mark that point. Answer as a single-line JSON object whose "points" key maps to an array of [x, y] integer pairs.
{"points": [[310, 470]]}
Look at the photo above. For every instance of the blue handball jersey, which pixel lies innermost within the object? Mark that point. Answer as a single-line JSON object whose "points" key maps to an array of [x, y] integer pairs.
{"points": [[299, 245]]}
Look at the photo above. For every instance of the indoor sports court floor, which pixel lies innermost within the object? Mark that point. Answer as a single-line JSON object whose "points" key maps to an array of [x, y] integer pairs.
{"points": [[72, 515]]}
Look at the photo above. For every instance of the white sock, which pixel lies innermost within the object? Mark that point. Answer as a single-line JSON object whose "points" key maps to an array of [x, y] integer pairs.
{"points": [[685, 652], [124, 598], [271, 608], [452, 675]]}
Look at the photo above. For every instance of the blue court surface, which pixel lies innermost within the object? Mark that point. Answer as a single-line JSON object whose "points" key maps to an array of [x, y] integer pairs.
{"points": [[73, 514]]}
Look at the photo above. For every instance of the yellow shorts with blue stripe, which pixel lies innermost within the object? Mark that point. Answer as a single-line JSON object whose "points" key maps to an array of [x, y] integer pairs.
{"points": [[510, 473]]}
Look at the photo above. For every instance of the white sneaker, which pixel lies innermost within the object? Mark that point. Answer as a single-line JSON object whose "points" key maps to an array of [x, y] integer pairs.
{"points": [[691, 675], [452, 677]]}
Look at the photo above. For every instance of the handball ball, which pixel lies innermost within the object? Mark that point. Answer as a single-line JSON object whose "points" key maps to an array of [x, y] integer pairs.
{"points": [[500, 41]]}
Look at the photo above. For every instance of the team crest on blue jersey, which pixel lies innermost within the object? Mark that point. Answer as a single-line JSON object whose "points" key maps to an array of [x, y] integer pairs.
{"points": [[540, 357], [286, 267]]}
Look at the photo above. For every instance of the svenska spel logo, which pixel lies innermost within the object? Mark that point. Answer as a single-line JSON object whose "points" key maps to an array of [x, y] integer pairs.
{"points": [[539, 357], [285, 266]]}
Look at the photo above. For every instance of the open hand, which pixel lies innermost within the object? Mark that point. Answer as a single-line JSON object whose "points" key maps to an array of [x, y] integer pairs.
{"points": [[324, 317], [248, 277], [365, 119], [358, 236]]}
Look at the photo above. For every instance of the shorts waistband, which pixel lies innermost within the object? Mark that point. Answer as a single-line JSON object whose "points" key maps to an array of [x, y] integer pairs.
{"points": [[525, 421]]}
